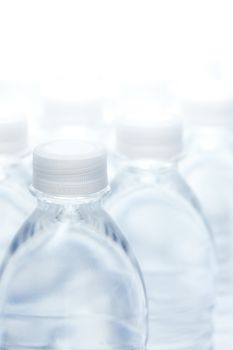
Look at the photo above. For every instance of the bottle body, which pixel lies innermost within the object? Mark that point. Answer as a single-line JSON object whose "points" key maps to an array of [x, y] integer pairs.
{"points": [[16, 204], [208, 168], [174, 250], [70, 281]]}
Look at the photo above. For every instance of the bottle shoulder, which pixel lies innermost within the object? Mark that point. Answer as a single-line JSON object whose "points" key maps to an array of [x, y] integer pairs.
{"points": [[210, 169], [210, 176], [84, 234], [160, 217], [168, 185]]}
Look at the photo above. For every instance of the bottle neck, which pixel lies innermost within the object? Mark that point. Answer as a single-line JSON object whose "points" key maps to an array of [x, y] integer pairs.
{"points": [[67, 201], [155, 165]]}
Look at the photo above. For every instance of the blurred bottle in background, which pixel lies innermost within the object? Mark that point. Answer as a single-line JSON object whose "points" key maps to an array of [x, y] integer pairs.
{"points": [[24, 98], [139, 101], [160, 216], [70, 280], [66, 115], [16, 202], [72, 119], [208, 168], [70, 112]]}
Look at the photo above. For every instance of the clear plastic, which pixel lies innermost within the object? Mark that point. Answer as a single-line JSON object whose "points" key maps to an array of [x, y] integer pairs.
{"points": [[160, 217], [208, 168], [71, 282], [16, 202]]}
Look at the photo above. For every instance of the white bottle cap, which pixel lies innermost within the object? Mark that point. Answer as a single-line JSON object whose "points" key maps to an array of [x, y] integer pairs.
{"points": [[148, 130], [69, 168], [207, 104], [13, 135], [160, 140]]}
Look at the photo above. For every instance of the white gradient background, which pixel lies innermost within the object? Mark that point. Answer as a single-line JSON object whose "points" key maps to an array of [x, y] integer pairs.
{"points": [[96, 48]]}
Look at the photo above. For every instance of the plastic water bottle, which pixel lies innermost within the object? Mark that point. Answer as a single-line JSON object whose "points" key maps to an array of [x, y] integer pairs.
{"points": [[208, 168], [160, 216], [70, 280], [16, 202]]}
